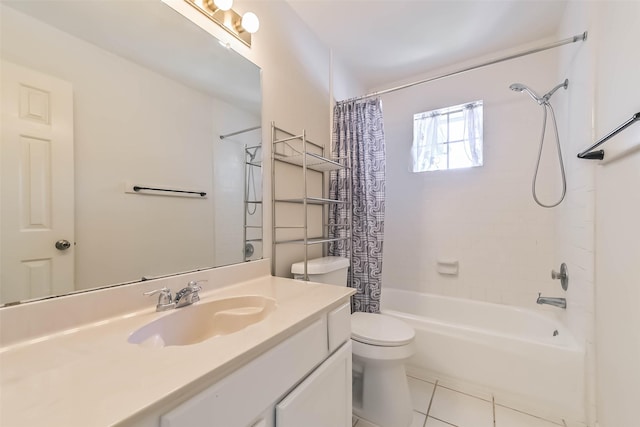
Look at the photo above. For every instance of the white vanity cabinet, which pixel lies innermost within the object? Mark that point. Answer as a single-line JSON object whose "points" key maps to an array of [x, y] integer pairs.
{"points": [[303, 381]]}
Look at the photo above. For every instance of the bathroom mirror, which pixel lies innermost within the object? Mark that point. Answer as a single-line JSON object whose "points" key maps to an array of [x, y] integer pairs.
{"points": [[101, 97]]}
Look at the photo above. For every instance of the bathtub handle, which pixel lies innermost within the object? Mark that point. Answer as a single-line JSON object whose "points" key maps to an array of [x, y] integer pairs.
{"points": [[563, 276]]}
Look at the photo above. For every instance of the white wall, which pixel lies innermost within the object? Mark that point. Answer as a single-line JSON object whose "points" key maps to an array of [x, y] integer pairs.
{"points": [[617, 204], [483, 217]]}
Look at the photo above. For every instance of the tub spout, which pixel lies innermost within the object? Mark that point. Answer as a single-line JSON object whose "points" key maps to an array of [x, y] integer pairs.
{"points": [[556, 302]]}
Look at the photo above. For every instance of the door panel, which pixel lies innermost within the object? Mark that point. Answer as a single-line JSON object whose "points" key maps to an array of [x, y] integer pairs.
{"points": [[37, 180]]}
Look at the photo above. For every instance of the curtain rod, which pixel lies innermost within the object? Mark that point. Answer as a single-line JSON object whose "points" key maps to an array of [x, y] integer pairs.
{"points": [[239, 132], [576, 38]]}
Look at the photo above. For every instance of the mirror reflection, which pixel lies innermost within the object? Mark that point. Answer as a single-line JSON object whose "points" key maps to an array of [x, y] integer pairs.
{"points": [[101, 97]]}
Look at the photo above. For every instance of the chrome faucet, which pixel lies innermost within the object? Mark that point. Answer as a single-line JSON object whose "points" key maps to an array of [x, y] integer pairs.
{"points": [[556, 302], [189, 295], [185, 296]]}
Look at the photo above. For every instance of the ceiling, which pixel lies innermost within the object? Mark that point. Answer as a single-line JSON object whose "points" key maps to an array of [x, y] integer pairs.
{"points": [[385, 41]]}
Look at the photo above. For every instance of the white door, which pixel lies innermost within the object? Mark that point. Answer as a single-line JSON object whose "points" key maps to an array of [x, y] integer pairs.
{"points": [[323, 399], [36, 172]]}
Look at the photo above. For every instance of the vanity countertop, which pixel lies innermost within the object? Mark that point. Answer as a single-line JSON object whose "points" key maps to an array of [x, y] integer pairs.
{"points": [[91, 376]]}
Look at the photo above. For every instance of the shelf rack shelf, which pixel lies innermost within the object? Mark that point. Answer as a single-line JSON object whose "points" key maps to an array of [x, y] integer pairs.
{"points": [[310, 200], [298, 151]]}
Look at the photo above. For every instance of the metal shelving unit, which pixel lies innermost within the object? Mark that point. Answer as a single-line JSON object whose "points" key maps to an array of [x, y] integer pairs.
{"points": [[298, 151]]}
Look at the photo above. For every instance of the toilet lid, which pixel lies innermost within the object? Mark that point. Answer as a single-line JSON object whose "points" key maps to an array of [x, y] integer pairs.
{"points": [[380, 330]]}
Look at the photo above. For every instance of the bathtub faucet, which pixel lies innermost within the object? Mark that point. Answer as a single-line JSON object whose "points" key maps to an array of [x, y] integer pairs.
{"points": [[556, 302]]}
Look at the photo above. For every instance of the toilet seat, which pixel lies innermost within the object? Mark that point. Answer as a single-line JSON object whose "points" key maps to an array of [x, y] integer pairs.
{"points": [[380, 330]]}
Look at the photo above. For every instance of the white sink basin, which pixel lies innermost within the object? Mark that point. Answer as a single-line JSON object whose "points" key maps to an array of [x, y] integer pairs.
{"points": [[204, 320]]}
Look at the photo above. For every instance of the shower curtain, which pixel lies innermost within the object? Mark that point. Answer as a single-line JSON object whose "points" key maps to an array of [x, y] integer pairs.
{"points": [[358, 136]]}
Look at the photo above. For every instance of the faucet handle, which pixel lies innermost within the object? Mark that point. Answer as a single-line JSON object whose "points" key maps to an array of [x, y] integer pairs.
{"points": [[563, 275], [165, 300], [194, 286], [165, 293]]}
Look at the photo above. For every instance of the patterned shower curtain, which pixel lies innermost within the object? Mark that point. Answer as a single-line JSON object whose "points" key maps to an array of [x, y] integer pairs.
{"points": [[358, 136]]}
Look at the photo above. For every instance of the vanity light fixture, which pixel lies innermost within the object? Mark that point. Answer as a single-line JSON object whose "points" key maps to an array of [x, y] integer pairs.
{"points": [[220, 12], [223, 4], [250, 22]]}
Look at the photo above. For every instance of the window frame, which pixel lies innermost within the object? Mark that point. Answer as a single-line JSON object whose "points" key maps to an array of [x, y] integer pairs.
{"points": [[447, 143]]}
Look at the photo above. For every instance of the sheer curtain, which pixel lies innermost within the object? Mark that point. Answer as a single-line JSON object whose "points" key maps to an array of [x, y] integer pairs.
{"points": [[473, 133], [426, 151], [358, 136]]}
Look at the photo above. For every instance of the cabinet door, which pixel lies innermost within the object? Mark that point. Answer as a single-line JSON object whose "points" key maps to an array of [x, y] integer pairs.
{"points": [[323, 398], [237, 400]]}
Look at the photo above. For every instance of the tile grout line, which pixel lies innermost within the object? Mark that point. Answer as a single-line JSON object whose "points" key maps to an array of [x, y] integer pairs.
{"points": [[534, 415], [433, 392], [443, 421], [493, 406], [466, 394], [435, 386]]}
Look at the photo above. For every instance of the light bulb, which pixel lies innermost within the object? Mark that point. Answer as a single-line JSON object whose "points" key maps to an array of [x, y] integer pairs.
{"points": [[223, 4], [250, 22]]}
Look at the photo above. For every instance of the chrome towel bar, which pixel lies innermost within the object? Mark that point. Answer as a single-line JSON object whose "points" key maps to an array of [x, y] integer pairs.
{"points": [[599, 154]]}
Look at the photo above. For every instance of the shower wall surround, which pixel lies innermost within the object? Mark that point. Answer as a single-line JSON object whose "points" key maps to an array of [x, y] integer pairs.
{"points": [[483, 217], [617, 206], [575, 217]]}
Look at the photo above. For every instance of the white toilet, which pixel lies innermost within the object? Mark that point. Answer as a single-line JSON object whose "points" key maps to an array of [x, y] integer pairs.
{"points": [[381, 345]]}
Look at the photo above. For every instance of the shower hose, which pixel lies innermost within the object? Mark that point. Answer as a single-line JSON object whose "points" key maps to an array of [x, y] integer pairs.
{"points": [[546, 105]]}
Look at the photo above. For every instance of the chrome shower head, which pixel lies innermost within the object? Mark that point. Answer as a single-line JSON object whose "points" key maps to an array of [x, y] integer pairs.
{"points": [[519, 87], [564, 84]]}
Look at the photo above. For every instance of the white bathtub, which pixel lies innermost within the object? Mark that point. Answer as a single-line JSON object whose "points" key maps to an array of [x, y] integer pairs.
{"points": [[510, 351]]}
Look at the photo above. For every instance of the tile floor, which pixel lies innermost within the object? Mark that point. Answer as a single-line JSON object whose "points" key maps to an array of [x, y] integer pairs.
{"points": [[437, 406]]}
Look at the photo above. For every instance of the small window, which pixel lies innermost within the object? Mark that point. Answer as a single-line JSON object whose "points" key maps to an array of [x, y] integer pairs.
{"points": [[448, 138]]}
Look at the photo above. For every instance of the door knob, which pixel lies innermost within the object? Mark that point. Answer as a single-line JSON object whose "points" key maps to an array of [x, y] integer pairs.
{"points": [[63, 245]]}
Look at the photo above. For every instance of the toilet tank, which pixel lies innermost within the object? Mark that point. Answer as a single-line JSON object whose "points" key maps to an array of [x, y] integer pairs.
{"points": [[329, 269]]}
